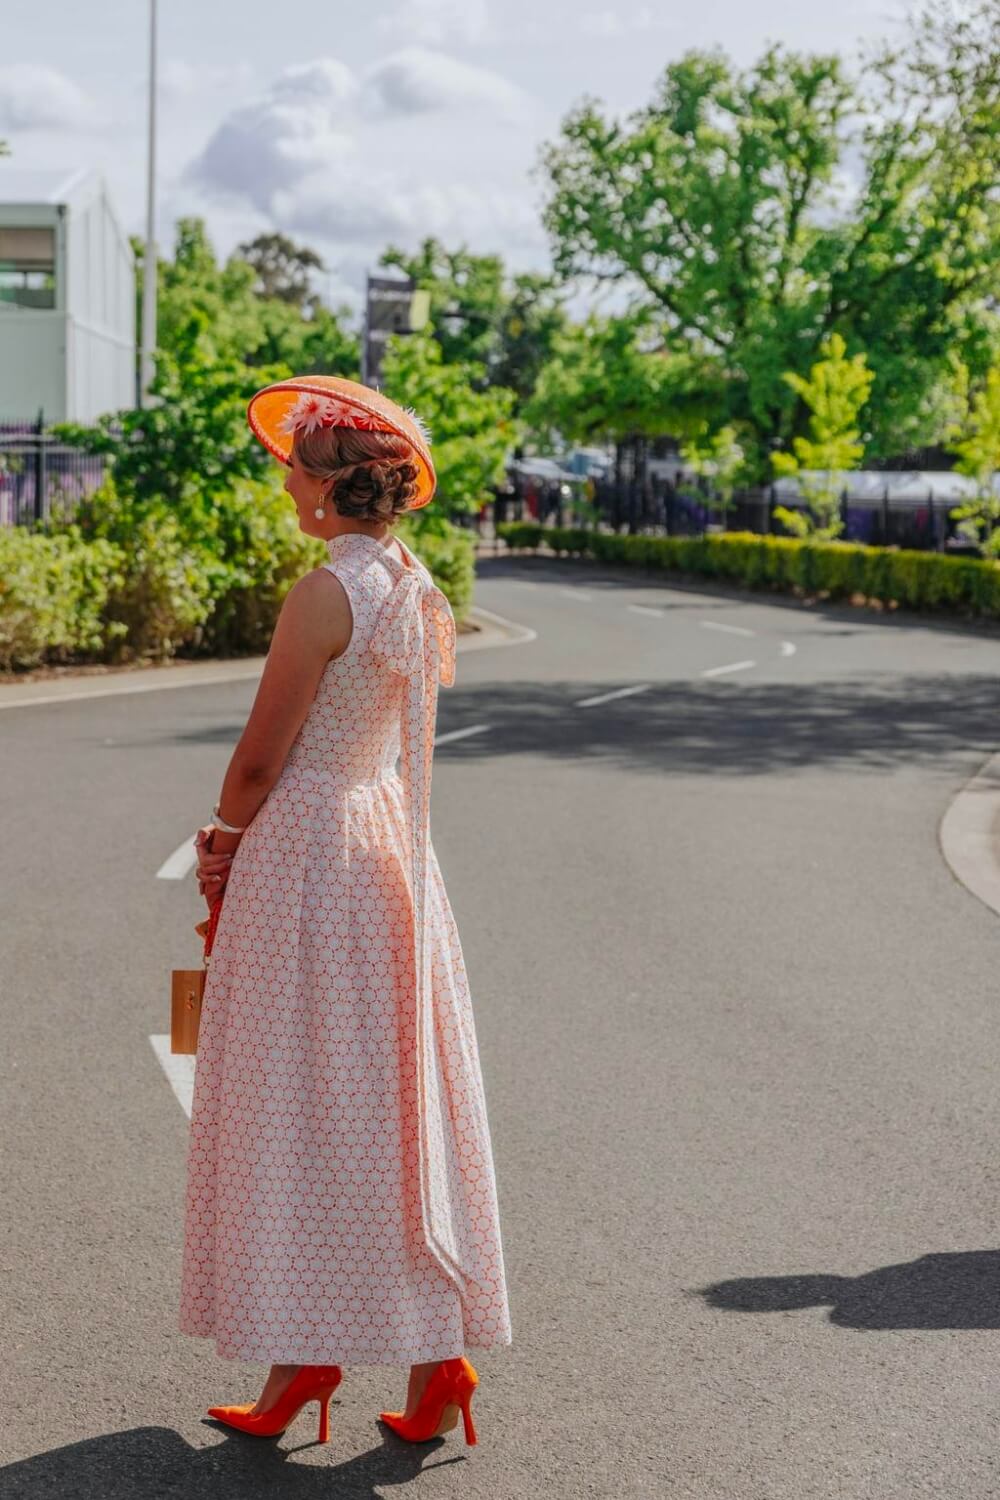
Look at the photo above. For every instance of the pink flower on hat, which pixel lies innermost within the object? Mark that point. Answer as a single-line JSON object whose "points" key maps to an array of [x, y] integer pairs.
{"points": [[309, 412]]}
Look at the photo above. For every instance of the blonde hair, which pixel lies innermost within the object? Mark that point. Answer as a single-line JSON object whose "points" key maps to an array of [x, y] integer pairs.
{"points": [[374, 473]]}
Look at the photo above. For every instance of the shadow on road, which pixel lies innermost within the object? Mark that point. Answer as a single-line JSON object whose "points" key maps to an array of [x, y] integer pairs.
{"points": [[147, 1463], [958, 1289], [875, 724]]}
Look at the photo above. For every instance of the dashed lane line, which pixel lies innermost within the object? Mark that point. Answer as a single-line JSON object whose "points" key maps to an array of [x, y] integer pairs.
{"points": [[642, 687], [729, 629], [736, 666]]}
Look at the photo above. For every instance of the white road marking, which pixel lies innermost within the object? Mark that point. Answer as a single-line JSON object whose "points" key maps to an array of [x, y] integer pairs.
{"points": [[645, 609], [179, 1068], [730, 629], [183, 859], [577, 594], [607, 697], [736, 666], [460, 734], [788, 649]]}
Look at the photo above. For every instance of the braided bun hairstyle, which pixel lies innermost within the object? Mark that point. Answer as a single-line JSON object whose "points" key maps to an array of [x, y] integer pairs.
{"points": [[375, 477]]}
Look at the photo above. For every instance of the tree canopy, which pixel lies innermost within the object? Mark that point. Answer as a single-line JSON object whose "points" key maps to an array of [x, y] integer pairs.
{"points": [[749, 213], [480, 316]]}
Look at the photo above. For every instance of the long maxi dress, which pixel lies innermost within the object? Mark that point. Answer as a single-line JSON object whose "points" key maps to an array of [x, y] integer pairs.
{"points": [[341, 1202]]}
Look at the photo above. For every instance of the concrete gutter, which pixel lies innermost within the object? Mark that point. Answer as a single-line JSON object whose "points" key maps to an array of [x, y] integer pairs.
{"points": [[969, 835]]}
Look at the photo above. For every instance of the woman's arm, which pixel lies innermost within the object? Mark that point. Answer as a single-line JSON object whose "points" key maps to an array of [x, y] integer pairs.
{"points": [[314, 624]]}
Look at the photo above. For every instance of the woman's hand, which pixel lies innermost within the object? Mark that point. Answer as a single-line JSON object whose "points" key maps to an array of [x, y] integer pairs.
{"points": [[213, 866]]}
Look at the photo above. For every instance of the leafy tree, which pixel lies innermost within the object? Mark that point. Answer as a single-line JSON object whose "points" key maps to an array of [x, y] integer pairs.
{"points": [[834, 393], [479, 317], [604, 383], [721, 457], [718, 210], [282, 269], [471, 429], [218, 341], [976, 442]]}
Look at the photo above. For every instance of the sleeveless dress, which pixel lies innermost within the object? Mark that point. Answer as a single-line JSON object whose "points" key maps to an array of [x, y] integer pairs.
{"points": [[341, 1203]]}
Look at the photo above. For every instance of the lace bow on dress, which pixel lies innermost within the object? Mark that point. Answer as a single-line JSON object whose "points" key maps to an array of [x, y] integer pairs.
{"points": [[416, 625]]}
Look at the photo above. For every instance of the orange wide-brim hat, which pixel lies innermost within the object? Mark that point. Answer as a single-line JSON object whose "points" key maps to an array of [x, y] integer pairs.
{"points": [[306, 402]]}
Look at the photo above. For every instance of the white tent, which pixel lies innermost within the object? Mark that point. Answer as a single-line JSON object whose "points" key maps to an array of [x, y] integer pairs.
{"points": [[905, 489], [67, 298]]}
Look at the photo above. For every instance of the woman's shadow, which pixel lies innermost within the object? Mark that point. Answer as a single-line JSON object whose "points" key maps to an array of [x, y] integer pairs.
{"points": [[148, 1463], [959, 1289]]}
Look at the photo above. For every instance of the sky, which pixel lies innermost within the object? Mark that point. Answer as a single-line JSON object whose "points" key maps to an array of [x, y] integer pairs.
{"points": [[352, 126]]}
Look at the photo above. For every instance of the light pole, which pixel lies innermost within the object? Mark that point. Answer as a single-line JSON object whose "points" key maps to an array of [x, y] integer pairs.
{"points": [[146, 365]]}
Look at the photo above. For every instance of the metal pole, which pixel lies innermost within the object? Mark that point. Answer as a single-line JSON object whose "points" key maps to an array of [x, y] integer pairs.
{"points": [[147, 367], [364, 330]]}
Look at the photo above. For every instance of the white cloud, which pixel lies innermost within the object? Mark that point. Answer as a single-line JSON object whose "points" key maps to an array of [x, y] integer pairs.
{"points": [[34, 97], [186, 80], [310, 120], [419, 81], [396, 155], [362, 207], [614, 23], [302, 123], [439, 22]]}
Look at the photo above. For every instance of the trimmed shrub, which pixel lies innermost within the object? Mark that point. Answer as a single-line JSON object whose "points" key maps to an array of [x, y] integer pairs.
{"points": [[931, 581]]}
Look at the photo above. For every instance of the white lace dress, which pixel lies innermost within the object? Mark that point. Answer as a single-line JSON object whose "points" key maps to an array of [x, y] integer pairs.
{"points": [[341, 1202]]}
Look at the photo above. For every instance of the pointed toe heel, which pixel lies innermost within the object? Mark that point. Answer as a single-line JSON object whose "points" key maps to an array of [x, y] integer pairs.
{"points": [[310, 1383], [449, 1389]]}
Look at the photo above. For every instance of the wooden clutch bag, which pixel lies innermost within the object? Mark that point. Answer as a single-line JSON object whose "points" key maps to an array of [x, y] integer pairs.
{"points": [[187, 986]]}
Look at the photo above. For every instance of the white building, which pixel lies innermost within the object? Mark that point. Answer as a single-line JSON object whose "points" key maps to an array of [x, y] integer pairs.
{"points": [[67, 298]]}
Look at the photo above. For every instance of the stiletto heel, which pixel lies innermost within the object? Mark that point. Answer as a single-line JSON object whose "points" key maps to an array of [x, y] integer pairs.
{"points": [[310, 1383], [451, 1386], [324, 1418], [470, 1431]]}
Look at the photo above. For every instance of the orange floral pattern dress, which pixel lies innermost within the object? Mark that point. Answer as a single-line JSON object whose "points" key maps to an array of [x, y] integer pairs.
{"points": [[341, 1202]]}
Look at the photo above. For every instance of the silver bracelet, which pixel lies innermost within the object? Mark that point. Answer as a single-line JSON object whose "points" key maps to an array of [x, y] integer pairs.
{"points": [[219, 822]]}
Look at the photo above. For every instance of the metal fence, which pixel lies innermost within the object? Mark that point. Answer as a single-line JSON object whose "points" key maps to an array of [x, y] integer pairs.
{"points": [[38, 473], [921, 523]]}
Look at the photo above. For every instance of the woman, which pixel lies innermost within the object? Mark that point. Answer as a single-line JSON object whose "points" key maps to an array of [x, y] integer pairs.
{"points": [[341, 1202]]}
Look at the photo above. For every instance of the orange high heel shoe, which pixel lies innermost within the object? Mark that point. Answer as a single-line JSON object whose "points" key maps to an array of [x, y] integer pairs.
{"points": [[451, 1386], [310, 1383]]}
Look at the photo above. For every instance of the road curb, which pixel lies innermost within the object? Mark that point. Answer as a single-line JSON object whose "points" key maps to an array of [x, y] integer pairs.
{"points": [[491, 630], [969, 835]]}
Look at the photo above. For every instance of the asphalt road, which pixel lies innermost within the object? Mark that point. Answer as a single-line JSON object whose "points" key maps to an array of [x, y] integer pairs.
{"points": [[740, 1035]]}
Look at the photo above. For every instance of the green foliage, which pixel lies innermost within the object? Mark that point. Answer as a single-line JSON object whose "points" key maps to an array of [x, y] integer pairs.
{"points": [[976, 442], [472, 429], [480, 318], [191, 444], [53, 594], [927, 581], [282, 269], [834, 393], [720, 456], [604, 382], [719, 209]]}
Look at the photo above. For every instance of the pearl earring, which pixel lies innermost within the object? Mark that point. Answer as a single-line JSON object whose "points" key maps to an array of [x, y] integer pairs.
{"points": [[319, 513]]}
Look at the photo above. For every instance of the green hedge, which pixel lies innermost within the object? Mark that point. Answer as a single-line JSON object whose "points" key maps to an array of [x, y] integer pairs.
{"points": [[120, 582], [968, 586]]}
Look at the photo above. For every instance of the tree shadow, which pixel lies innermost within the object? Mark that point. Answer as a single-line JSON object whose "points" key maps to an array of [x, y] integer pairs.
{"points": [[711, 728], [949, 1289], [147, 1463]]}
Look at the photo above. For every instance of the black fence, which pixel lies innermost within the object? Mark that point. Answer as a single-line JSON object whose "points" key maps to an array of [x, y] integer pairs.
{"points": [[38, 473], [660, 507]]}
